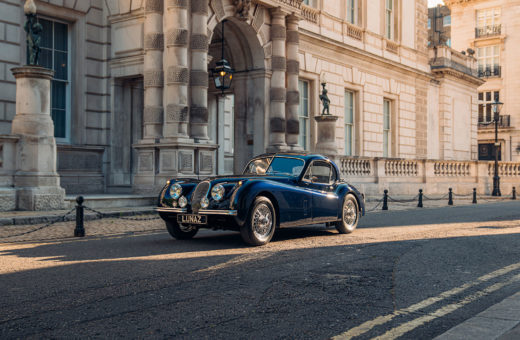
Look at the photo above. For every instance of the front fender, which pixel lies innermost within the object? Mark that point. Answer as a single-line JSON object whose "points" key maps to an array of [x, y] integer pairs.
{"points": [[246, 195]]}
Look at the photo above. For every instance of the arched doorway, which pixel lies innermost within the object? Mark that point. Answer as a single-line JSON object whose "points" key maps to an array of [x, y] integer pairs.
{"points": [[237, 117]]}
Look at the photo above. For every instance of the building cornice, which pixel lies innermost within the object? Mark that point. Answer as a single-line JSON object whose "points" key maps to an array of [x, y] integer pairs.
{"points": [[441, 72]]}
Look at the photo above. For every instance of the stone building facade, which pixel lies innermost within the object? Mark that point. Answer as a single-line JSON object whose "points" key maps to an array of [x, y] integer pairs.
{"points": [[492, 29], [134, 102]]}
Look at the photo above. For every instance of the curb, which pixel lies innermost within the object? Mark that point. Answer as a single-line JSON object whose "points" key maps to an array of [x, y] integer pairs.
{"points": [[500, 321]]}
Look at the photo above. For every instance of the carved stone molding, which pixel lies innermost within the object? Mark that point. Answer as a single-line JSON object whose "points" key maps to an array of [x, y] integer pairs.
{"points": [[199, 6], [177, 113], [199, 78], [293, 126], [153, 78], [277, 124], [185, 161], [293, 97], [218, 8], [199, 42], [278, 63], [177, 37], [153, 114], [293, 37], [293, 66], [198, 114], [177, 75], [154, 6], [242, 8], [278, 94], [278, 32], [177, 3], [154, 41]]}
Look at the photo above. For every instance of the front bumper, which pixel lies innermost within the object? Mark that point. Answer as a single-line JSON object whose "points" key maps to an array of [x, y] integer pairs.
{"points": [[201, 211]]}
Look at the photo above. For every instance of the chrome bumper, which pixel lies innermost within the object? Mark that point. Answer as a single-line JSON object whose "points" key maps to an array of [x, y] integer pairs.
{"points": [[201, 211]]}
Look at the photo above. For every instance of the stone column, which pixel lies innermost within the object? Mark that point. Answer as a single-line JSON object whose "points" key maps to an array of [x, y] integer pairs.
{"points": [[36, 181], [277, 91], [326, 141], [293, 96], [199, 70], [153, 70], [176, 66]]}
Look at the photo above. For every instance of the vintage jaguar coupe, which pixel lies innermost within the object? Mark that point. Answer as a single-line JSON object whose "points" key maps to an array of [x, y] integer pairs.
{"points": [[275, 191]]}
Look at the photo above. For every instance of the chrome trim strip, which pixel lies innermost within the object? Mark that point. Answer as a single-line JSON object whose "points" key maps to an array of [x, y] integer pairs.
{"points": [[176, 210], [218, 212]]}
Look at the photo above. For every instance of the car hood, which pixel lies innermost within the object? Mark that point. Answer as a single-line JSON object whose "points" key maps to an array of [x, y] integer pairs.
{"points": [[235, 178]]}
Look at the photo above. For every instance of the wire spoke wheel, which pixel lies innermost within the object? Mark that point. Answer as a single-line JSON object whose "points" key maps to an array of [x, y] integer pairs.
{"points": [[349, 215], [262, 222]]}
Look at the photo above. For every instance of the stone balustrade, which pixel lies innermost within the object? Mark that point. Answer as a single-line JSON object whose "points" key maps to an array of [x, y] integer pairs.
{"points": [[451, 169], [401, 168], [405, 177], [353, 31], [507, 169], [310, 14], [391, 46]]}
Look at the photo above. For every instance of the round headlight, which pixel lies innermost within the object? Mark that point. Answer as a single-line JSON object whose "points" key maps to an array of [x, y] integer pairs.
{"points": [[217, 192], [183, 202], [175, 191], [204, 203]]}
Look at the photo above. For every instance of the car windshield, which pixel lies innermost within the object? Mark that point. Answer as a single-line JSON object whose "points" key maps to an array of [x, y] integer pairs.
{"points": [[285, 166], [257, 166]]}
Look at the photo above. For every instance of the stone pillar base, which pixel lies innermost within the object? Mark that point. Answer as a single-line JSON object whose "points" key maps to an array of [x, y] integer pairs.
{"points": [[7, 199], [40, 198], [326, 143]]}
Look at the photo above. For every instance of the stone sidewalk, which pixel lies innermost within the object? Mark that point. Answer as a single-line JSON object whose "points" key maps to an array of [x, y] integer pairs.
{"points": [[501, 321]]}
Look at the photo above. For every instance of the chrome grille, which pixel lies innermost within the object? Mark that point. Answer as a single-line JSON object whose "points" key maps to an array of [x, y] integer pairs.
{"points": [[200, 191]]}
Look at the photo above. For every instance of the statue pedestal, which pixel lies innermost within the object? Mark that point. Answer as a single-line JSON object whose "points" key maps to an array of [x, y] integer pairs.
{"points": [[36, 180], [326, 141]]}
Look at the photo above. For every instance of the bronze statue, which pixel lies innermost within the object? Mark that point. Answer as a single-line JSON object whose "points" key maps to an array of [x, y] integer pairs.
{"points": [[33, 29], [325, 100], [242, 8]]}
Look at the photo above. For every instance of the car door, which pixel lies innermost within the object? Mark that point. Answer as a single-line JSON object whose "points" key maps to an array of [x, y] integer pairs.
{"points": [[320, 180]]}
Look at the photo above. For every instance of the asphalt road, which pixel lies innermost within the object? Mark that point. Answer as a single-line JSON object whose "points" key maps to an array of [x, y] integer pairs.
{"points": [[404, 274]]}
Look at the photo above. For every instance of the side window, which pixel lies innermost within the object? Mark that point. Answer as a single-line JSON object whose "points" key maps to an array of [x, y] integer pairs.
{"points": [[320, 172]]}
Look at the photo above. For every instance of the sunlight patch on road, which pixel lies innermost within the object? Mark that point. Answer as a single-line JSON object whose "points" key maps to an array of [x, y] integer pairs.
{"points": [[398, 331]]}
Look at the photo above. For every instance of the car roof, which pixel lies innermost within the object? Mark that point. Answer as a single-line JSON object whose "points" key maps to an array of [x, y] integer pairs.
{"points": [[297, 154]]}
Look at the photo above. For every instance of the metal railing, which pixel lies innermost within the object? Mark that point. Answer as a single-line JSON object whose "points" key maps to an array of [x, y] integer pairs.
{"points": [[504, 121], [490, 71], [488, 31]]}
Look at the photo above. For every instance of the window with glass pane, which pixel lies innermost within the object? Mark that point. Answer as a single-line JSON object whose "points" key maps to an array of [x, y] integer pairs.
{"points": [[446, 20], [55, 55], [485, 107], [303, 114], [387, 107], [352, 11], [389, 19], [349, 122], [488, 17], [488, 59]]}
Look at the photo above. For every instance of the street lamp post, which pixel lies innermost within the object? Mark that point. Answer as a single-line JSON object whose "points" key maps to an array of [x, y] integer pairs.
{"points": [[497, 105]]}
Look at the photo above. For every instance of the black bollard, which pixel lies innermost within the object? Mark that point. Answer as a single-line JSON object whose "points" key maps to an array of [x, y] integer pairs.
{"points": [[79, 231], [385, 200], [450, 197], [514, 194], [474, 196], [420, 205]]}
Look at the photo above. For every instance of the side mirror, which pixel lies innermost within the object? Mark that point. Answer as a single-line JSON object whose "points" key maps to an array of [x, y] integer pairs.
{"points": [[314, 179]]}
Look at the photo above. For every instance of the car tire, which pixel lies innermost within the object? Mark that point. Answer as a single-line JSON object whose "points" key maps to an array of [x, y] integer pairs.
{"points": [[349, 215], [180, 232], [260, 224]]}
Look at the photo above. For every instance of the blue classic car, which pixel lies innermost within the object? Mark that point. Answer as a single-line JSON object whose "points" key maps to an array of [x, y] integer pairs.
{"points": [[275, 191]]}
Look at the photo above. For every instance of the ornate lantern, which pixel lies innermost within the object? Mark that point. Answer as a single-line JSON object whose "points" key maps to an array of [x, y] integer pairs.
{"points": [[223, 73]]}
